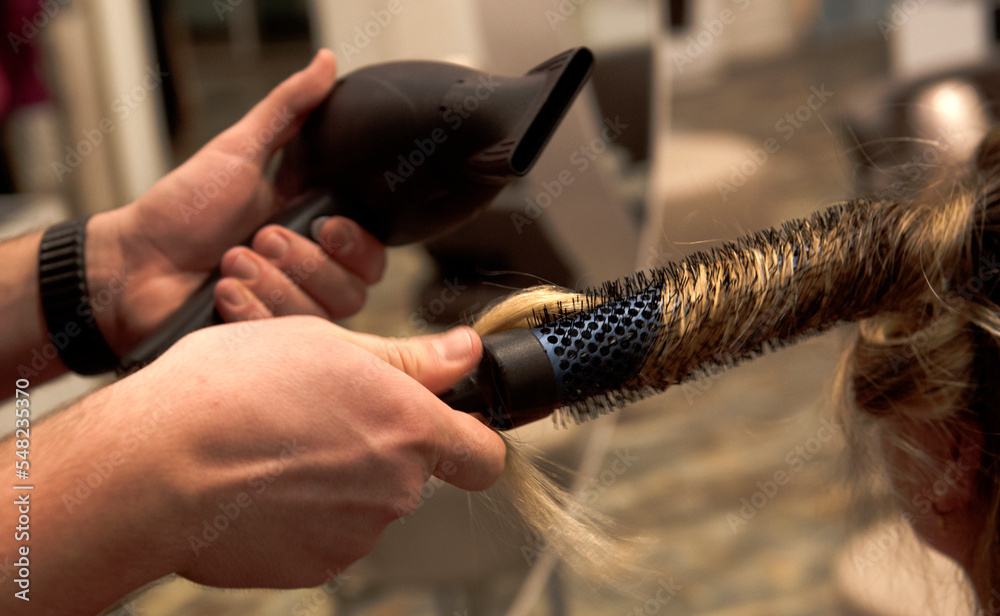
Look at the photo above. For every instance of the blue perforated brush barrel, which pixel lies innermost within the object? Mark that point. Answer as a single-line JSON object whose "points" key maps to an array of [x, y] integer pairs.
{"points": [[599, 350], [580, 360]]}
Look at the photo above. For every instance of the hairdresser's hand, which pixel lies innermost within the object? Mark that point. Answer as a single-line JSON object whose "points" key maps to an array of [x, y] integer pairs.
{"points": [[145, 258], [232, 468], [330, 444]]}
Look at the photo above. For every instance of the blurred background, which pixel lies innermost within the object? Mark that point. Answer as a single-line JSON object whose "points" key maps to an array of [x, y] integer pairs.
{"points": [[704, 120]]}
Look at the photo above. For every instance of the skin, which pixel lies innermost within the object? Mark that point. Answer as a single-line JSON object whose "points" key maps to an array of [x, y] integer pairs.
{"points": [[163, 245], [942, 505], [310, 438]]}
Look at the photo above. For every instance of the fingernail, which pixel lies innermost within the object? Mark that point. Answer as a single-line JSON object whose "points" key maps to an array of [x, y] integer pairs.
{"points": [[454, 345], [339, 240], [244, 268], [273, 245], [232, 296], [316, 228]]}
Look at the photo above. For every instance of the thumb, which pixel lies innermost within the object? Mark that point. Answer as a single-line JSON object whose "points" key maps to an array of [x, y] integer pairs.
{"points": [[435, 361], [470, 455], [272, 122]]}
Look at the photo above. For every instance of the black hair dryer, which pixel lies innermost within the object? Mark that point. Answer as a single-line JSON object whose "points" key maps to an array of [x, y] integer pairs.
{"points": [[409, 150]]}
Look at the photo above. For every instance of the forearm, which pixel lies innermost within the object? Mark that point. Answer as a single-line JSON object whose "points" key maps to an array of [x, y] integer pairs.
{"points": [[90, 526], [29, 348], [28, 351]]}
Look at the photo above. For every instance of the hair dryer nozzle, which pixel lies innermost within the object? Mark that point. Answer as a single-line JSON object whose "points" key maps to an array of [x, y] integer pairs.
{"points": [[556, 84], [413, 149], [565, 75]]}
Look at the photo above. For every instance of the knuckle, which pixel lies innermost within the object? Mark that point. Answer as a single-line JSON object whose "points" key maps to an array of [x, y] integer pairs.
{"points": [[403, 356], [424, 439], [393, 354]]}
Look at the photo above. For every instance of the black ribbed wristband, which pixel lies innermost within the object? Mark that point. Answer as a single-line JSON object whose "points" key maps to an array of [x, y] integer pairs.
{"points": [[62, 281]]}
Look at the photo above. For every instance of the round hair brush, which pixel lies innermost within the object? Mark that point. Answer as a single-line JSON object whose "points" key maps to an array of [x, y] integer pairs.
{"points": [[599, 350]]}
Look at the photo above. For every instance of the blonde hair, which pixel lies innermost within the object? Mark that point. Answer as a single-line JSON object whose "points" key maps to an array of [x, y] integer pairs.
{"points": [[923, 363], [924, 377], [587, 541]]}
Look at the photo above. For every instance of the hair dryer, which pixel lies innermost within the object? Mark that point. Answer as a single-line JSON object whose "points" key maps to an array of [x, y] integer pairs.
{"points": [[409, 150]]}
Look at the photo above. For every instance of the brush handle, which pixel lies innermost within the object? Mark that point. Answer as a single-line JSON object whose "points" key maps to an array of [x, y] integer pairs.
{"points": [[198, 311]]}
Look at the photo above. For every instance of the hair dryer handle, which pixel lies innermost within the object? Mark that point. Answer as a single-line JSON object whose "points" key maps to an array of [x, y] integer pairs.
{"points": [[199, 309]]}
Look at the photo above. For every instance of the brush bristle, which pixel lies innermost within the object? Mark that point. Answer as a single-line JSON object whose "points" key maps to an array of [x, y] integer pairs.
{"points": [[718, 308]]}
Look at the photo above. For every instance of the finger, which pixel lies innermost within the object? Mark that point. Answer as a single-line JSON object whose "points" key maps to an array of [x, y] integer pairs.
{"points": [[349, 244], [435, 361], [471, 456], [236, 303], [271, 286], [269, 125], [334, 288]]}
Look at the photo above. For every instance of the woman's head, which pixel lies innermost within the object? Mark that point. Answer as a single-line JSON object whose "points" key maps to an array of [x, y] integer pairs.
{"points": [[926, 380]]}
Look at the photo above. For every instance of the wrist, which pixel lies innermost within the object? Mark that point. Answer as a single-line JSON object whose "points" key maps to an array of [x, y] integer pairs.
{"points": [[65, 298], [134, 283], [110, 272]]}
